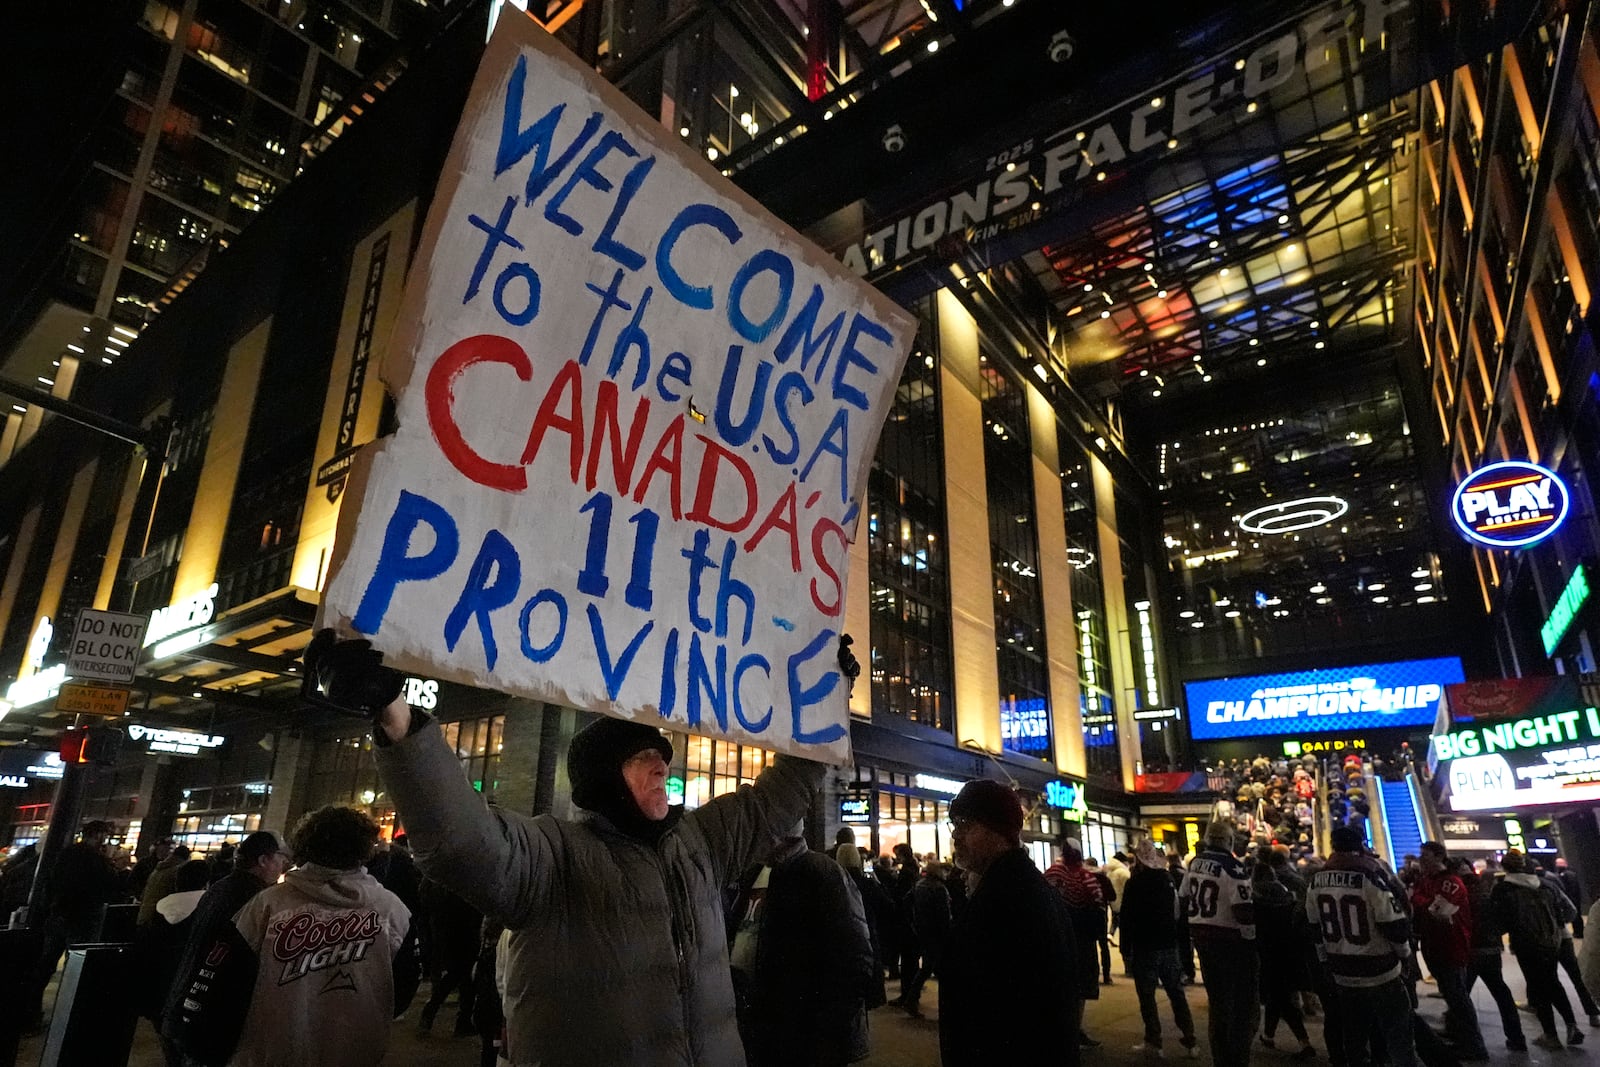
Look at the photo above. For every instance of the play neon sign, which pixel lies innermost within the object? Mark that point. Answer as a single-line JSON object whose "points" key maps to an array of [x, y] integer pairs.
{"points": [[1510, 505]]}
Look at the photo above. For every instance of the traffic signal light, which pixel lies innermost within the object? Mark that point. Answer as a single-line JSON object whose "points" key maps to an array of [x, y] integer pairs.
{"points": [[94, 744]]}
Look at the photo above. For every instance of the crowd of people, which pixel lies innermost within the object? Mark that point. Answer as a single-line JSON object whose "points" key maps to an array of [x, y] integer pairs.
{"points": [[641, 932]]}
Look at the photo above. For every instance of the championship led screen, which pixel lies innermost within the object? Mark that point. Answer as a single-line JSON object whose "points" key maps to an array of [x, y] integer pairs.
{"points": [[1374, 696]]}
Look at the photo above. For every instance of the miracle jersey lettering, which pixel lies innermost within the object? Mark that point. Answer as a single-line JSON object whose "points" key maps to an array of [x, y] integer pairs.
{"points": [[1361, 928], [1216, 898]]}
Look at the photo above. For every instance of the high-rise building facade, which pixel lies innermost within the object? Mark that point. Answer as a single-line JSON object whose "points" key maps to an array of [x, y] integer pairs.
{"points": [[1160, 423], [220, 104]]}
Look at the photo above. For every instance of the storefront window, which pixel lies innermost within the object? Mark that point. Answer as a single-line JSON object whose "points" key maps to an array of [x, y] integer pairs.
{"points": [[901, 813], [921, 822], [344, 772], [478, 743], [709, 768]]}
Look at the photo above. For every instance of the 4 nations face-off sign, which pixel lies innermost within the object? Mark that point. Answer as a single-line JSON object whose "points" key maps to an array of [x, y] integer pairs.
{"points": [[636, 416]]}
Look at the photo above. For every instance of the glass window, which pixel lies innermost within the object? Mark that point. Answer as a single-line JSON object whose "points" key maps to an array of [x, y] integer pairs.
{"points": [[907, 563], [709, 768], [1014, 548]]}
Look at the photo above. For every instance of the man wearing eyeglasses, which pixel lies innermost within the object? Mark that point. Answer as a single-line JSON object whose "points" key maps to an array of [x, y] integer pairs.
{"points": [[1009, 954]]}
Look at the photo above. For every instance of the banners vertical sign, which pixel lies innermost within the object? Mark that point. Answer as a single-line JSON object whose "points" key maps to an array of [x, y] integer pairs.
{"points": [[636, 414]]}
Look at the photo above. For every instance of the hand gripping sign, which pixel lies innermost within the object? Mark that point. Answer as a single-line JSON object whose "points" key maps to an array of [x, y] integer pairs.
{"points": [[636, 417]]}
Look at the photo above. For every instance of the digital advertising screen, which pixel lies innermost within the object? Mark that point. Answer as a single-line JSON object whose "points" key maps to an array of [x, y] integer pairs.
{"points": [[1373, 696], [1535, 761]]}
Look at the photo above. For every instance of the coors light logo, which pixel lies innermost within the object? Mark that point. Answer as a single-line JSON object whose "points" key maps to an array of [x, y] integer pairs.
{"points": [[305, 943]]}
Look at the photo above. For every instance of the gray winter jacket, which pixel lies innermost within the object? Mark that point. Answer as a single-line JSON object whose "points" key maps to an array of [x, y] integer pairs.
{"points": [[618, 952]]}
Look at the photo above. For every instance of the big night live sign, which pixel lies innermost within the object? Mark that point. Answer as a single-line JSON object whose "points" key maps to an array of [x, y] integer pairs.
{"points": [[1537, 760], [1509, 505], [1374, 696]]}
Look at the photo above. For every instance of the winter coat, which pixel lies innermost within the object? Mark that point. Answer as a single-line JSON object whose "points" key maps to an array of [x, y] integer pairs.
{"points": [[879, 906], [1009, 959], [1571, 887], [81, 886], [1149, 911], [1589, 954], [162, 881], [16, 878], [1488, 936], [158, 948], [813, 967], [325, 943], [1566, 907], [211, 929], [931, 917], [1117, 874], [1516, 900], [618, 953], [1080, 894], [454, 927], [1280, 938]]}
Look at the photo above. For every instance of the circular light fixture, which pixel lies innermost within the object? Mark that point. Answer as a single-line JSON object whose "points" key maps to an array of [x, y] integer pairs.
{"points": [[1292, 515], [1079, 558]]}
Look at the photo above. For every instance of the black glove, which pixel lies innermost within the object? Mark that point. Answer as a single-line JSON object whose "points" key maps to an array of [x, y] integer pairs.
{"points": [[350, 675], [848, 664]]}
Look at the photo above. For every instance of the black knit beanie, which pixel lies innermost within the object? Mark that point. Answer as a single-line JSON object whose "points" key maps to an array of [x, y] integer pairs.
{"points": [[594, 766]]}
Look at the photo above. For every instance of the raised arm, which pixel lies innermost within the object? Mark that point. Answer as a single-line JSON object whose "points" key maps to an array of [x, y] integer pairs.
{"points": [[503, 864], [740, 826]]}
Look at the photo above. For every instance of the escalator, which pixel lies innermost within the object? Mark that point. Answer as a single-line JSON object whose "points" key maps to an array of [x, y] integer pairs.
{"points": [[1403, 816], [1403, 828]]}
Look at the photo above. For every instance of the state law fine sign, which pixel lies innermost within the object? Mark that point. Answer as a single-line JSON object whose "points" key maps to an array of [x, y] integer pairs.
{"points": [[1510, 505]]}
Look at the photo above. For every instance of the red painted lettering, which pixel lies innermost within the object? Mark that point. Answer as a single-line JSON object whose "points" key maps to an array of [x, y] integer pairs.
{"points": [[819, 554], [711, 461], [622, 456], [668, 457], [781, 517], [439, 396], [568, 386]]}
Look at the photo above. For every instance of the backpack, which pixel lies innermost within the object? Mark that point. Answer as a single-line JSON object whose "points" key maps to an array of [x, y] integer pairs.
{"points": [[1533, 920]]}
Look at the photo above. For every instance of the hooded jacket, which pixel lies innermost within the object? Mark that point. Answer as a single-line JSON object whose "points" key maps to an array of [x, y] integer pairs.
{"points": [[1515, 895], [618, 952], [325, 942]]}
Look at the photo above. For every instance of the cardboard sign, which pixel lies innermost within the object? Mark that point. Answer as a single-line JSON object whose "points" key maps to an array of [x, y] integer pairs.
{"points": [[636, 417], [106, 646], [76, 699]]}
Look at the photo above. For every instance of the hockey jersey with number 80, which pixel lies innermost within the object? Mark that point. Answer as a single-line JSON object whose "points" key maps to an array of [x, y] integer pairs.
{"points": [[1215, 897], [1361, 926]]}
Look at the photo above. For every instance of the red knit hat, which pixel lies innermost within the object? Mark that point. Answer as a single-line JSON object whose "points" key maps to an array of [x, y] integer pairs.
{"points": [[990, 803]]}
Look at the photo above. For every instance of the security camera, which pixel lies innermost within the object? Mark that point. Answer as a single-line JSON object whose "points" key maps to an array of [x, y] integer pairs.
{"points": [[1061, 47], [894, 138]]}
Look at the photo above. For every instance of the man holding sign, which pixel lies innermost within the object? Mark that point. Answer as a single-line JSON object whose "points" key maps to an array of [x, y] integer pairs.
{"points": [[636, 415], [618, 953]]}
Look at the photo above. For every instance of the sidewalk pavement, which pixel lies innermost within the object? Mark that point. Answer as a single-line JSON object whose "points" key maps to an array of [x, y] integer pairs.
{"points": [[901, 1041]]}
